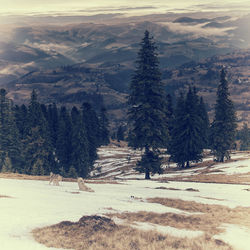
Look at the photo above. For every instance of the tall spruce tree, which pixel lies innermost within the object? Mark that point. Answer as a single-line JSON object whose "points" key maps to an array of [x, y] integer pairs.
{"points": [[92, 126], [38, 149], [223, 128], [10, 144], [187, 140], [64, 141], [147, 108], [80, 155]]}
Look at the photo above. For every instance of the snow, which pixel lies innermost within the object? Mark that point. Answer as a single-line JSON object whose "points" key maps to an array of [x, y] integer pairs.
{"points": [[35, 204], [239, 167], [236, 236]]}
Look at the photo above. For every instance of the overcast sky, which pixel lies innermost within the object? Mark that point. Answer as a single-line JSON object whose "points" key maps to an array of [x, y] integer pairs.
{"points": [[98, 6]]}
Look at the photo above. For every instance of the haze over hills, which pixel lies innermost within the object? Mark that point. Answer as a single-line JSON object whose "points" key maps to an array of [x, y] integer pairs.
{"points": [[93, 60]]}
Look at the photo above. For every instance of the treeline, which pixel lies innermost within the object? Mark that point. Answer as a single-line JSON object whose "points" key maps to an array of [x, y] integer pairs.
{"points": [[37, 139]]}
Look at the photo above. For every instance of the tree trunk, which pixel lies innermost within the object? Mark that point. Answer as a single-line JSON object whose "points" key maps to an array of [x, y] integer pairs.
{"points": [[147, 175], [222, 158]]}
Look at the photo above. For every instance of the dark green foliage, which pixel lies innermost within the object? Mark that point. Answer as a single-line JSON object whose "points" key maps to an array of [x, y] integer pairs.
{"points": [[38, 148], [80, 153], [64, 140], [53, 123], [187, 138], [36, 140], [244, 137], [92, 126], [21, 117], [10, 143], [204, 122], [149, 163], [147, 102], [223, 128], [169, 113]]}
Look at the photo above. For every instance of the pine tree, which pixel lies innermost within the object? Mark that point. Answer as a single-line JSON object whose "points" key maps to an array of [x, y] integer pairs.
{"points": [[175, 148], [38, 149], [223, 128], [80, 154], [64, 141], [92, 126], [147, 106], [53, 123], [22, 122], [10, 143], [187, 138], [170, 116]]}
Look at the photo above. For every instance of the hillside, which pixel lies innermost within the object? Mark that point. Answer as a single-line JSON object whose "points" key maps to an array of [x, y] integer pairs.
{"points": [[108, 83]]}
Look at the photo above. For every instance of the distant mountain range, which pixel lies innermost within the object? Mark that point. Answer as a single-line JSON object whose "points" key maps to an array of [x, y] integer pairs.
{"points": [[93, 62]]}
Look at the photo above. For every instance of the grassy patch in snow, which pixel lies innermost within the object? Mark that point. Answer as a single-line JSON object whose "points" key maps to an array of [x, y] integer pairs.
{"points": [[210, 217], [99, 233], [4, 196]]}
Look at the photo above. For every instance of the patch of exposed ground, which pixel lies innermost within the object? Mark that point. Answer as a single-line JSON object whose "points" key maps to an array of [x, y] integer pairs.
{"points": [[211, 178], [213, 215], [99, 233], [178, 189], [47, 178], [4, 196]]}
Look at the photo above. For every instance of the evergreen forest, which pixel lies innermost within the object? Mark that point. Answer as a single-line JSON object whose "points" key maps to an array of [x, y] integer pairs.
{"points": [[38, 139]]}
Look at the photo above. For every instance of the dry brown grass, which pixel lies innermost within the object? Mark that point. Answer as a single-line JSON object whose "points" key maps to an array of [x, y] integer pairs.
{"points": [[212, 178], [95, 232], [4, 196], [99, 233], [214, 215], [47, 178]]}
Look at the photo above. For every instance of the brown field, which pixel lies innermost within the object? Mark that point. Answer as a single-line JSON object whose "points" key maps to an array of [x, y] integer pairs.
{"points": [[218, 178], [4, 196], [99, 233], [94, 232]]}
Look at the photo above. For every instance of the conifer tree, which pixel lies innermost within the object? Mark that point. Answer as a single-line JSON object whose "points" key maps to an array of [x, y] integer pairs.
{"points": [[187, 137], [223, 128], [147, 107], [10, 144], [22, 122], [64, 141], [92, 126], [80, 154], [38, 150], [53, 123]]}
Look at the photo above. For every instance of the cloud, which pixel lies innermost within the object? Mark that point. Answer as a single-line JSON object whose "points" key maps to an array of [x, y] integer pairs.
{"points": [[197, 30]]}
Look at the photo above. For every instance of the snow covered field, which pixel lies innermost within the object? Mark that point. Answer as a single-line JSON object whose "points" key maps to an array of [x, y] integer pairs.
{"points": [[36, 204], [29, 204]]}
